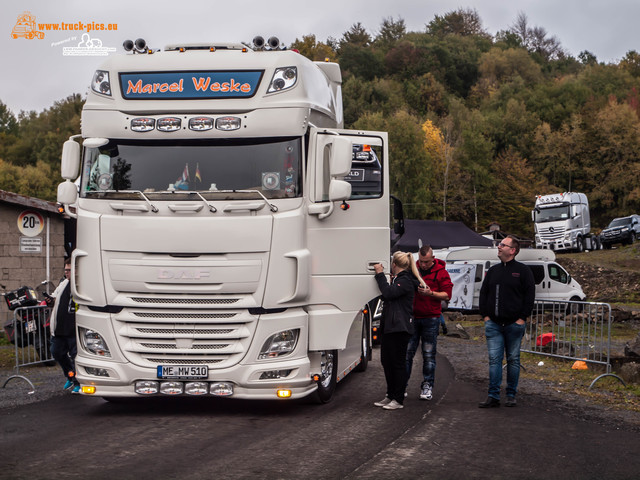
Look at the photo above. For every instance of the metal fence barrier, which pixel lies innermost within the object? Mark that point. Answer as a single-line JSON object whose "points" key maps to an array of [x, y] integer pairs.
{"points": [[30, 333], [570, 330]]}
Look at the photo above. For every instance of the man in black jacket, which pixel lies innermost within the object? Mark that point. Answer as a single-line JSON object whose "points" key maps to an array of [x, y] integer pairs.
{"points": [[506, 300]]}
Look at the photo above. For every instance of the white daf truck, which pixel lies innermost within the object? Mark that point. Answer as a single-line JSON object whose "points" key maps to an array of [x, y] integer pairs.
{"points": [[221, 249], [562, 222]]}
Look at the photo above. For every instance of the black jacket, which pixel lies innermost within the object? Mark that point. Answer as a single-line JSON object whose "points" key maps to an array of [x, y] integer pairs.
{"points": [[397, 312], [507, 293]]}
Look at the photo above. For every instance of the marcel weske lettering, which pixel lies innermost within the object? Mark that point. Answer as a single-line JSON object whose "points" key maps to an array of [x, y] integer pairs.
{"points": [[200, 84]]}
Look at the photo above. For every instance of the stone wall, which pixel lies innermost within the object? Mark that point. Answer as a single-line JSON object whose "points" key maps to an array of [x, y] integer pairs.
{"points": [[18, 268]]}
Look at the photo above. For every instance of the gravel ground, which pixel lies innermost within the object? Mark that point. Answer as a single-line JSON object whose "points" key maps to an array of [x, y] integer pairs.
{"points": [[470, 362], [468, 357], [47, 382]]}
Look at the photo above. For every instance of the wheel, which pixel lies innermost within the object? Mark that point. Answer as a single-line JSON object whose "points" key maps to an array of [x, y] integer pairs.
{"points": [[365, 348], [328, 376], [580, 245], [632, 238], [606, 246]]}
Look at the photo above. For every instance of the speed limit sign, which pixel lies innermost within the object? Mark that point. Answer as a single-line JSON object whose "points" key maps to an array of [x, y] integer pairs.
{"points": [[30, 223]]}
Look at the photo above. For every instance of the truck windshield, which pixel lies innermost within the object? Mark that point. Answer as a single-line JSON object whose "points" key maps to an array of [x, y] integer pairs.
{"points": [[213, 168], [551, 214]]}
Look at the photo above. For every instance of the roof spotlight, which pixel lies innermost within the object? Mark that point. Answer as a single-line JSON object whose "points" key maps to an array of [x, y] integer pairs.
{"points": [[141, 45], [258, 42], [274, 42]]}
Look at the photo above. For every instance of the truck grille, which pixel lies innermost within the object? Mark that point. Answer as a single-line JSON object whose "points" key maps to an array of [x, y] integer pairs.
{"points": [[217, 339], [187, 301], [547, 234]]}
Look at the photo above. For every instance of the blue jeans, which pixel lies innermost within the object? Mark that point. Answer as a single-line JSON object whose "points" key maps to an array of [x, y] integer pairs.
{"points": [[64, 350], [501, 339], [426, 329]]}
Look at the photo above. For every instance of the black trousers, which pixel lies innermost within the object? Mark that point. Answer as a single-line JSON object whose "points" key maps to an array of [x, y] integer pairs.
{"points": [[393, 356]]}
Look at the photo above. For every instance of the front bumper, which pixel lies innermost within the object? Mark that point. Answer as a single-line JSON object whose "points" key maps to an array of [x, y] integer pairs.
{"points": [[245, 379]]}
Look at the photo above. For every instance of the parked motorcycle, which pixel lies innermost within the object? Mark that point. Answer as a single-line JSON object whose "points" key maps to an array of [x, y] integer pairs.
{"points": [[30, 323]]}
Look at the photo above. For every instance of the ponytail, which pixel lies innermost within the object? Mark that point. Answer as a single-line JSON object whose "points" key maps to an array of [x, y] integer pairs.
{"points": [[414, 270], [405, 262]]}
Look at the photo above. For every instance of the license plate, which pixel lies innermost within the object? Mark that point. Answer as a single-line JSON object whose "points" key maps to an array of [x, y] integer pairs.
{"points": [[186, 372], [30, 326]]}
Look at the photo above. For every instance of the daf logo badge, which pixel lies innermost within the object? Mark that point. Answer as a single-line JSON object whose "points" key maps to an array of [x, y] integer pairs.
{"points": [[182, 274]]}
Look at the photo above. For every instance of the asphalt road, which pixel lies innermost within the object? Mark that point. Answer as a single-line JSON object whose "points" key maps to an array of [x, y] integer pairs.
{"points": [[82, 437]]}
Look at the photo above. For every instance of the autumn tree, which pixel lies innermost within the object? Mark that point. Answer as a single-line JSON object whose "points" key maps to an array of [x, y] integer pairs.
{"points": [[409, 163], [314, 50]]}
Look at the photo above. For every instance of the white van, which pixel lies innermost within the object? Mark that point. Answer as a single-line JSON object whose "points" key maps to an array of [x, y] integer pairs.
{"points": [[553, 282]]}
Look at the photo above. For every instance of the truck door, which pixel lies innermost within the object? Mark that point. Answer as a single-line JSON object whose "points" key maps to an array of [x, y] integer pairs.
{"points": [[345, 237]]}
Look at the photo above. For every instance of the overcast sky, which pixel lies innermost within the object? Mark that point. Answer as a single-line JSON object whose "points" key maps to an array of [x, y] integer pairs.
{"points": [[36, 73]]}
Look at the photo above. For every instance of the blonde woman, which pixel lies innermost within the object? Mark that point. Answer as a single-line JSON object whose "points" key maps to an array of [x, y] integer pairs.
{"points": [[396, 324]]}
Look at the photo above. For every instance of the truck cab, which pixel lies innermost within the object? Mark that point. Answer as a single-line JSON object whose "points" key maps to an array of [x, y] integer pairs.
{"points": [[225, 246], [562, 222]]}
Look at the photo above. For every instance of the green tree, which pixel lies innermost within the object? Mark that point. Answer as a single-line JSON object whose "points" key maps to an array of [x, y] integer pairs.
{"points": [[391, 31], [462, 22]]}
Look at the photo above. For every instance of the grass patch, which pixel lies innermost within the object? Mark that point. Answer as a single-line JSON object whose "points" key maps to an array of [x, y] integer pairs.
{"points": [[626, 258], [558, 373]]}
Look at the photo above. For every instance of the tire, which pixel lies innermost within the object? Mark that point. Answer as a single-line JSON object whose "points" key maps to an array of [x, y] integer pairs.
{"points": [[632, 238], [365, 345], [580, 245], [328, 376], [606, 246]]}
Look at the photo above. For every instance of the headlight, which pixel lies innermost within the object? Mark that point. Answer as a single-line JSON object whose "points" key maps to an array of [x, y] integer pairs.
{"points": [[100, 83], [282, 79], [281, 343], [93, 342]]}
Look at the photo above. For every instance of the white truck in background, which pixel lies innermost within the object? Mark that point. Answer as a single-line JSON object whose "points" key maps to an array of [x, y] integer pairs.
{"points": [[221, 249], [468, 267], [562, 222]]}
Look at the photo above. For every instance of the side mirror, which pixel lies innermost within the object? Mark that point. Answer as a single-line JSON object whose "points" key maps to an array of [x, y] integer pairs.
{"points": [[70, 163], [398, 216], [339, 190], [67, 193], [341, 155]]}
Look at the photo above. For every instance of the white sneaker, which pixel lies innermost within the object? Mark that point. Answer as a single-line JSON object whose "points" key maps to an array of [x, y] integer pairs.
{"points": [[426, 393], [383, 402], [393, 405]]}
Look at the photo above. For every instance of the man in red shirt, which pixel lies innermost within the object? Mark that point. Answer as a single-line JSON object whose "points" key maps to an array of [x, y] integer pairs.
{"points": [[427, 309]]}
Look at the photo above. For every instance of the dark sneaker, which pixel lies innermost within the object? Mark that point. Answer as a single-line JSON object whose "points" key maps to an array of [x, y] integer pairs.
{"points": [[68, 385], [511, 402], [426, 393], [445, 330], [76, 390], [490, 402]]}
